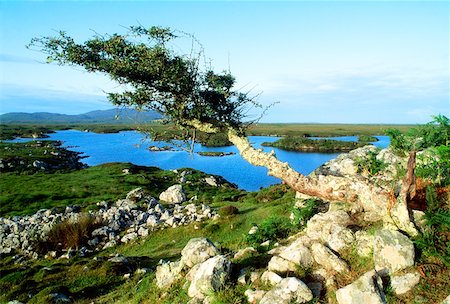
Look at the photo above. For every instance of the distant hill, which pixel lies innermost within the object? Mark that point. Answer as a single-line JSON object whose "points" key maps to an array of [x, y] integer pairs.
{"points": [[112, 116]]}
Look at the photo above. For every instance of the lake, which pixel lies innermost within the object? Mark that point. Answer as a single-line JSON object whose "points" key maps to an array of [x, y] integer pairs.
{"points": [[131, 146]]}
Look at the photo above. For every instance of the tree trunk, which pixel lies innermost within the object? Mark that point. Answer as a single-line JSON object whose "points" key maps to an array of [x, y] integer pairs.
{"points": [[366, 196]]}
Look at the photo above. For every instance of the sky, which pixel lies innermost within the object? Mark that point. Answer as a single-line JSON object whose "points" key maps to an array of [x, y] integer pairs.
{"points": [[315, 61]]}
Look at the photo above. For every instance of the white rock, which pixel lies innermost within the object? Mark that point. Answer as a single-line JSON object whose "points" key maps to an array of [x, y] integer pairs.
{"points": [[364, 243], [211, 180], [289, 290], [325, 257], [403, 283], [173, 195], [129, 237], [392, 251], [210, 276], [168, 273], [281, 266], [198, 250], [254, 296], [270, 278], [366, 289], [298, 254], [243, 253]]}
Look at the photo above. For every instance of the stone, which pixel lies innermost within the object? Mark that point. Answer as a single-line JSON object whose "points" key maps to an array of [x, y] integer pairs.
{"points": [[289, 290], [326, 223], [129, 237], [392, 251], [270, 278], [366, 289], [136, 195], [402, 284], [446, 300], [281, 266], [298, 254], [364, 243], [168, 273], [173, 195], [244, 253], [198, 250], [254, 296], [59, 298], [212, 181], [210, 276], [142, 231], [253, 230], [325, 257]]}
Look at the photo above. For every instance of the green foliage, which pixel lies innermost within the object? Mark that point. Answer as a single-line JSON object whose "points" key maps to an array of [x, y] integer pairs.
{"points": [[435, 242], [369, 164], [434, 165], [228, 210], [158, 78], [272, 228], [296, 143], [302, 215], [367, 138], [433, 134]]}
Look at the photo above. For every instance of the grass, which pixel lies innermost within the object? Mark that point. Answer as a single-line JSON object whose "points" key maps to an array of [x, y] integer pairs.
{"points": [[296, 143]]}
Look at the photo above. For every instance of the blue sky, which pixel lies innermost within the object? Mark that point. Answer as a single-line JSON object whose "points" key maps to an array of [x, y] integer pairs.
{"points": [[322, 61]]}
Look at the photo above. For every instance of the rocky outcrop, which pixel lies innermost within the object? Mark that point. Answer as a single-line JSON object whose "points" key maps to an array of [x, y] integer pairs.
{"points": [[197, 251], [124, 221]]}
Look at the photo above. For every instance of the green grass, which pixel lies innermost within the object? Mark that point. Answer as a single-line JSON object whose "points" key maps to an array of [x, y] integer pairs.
{"points": [[296, 143]]}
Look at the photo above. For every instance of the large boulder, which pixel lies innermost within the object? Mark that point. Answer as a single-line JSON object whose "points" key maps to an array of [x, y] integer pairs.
{"points": [[210, 276], [197, 251], [325, 257], [173, 195], [366, 289], [392, 251], [168, 273], [402, 284], [289, 290], [298, 254]]}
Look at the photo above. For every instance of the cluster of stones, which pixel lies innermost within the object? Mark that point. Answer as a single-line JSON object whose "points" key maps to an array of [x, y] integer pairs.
{"points": [[125, 220], [319, 249]]}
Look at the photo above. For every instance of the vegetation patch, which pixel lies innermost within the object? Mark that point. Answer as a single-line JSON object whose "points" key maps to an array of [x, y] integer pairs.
{"points": [[295, 143]]}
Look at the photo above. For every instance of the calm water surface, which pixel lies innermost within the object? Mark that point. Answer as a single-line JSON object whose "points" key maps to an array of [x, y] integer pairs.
{"points": [[131, 146]]}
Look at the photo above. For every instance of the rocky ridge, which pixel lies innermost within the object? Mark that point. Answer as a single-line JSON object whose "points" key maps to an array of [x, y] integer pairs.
{"points": [[121, 222]]}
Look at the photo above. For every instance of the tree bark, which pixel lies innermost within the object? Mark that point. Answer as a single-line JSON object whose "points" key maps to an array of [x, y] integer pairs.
{"points": [[329, 188]]}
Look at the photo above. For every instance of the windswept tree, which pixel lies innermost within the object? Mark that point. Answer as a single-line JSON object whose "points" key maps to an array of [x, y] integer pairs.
{"points": [[191, 95]]}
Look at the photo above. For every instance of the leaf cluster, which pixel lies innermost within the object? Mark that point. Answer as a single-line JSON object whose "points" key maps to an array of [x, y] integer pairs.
{"points": [[153, 76]]}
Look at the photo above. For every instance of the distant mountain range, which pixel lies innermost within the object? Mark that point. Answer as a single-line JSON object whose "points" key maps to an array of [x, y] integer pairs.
{"points": [[112, 116]]}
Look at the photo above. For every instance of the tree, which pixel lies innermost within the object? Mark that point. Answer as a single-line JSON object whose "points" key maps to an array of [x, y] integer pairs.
{"points": [[196, 98]]}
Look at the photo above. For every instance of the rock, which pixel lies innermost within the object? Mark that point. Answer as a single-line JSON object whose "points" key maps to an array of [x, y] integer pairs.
{"points": [[446, 300], [168, 273], [211, 180], [298, 254], [323, 224], [316, 288], [209, 277], [198, 250], [281, 266], [119, 260], [253, 230], [325, 257], [136, 195], [254, 296], [403, 283], [244, 253], [142, 231], [270, 278], [289, 290], [367, 289], [364, 243], [392, 251], [59, 298], [173, 195], [129, 237]]}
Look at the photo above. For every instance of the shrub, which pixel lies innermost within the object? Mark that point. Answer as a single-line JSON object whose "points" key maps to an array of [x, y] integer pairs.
{"points": [[435, 165], [369, 164], [228, 210], [301, 215], [70, 233], [270, 229]]}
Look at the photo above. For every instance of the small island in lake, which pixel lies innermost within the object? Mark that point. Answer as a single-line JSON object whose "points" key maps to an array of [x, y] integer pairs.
{"points": [[297, 143], [216, 154]]}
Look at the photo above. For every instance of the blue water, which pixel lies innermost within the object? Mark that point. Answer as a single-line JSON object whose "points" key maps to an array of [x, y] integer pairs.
{"points": [[131, 146]]}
